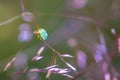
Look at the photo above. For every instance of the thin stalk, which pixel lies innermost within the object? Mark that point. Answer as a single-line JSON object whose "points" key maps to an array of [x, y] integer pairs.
{"points": [[55, 51]]}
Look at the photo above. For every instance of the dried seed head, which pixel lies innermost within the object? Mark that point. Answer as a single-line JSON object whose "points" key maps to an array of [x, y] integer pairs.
{"points": [[9, 64], [53, 69], [73, 68], [113, 31], [67, 75], [40, 50], [49, 67], [36, 58], [59, 70], [67, 56], [35, 70], [48, 74]]}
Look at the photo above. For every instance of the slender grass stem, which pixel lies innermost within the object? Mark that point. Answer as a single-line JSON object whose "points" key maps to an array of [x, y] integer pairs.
{"points": [[10, 20], [55, 51]]}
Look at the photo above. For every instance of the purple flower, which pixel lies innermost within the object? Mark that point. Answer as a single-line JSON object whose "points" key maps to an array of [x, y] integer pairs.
{"points": [[107, 76], [27, 16], [72, 42], [81, 59], [25, 33]]}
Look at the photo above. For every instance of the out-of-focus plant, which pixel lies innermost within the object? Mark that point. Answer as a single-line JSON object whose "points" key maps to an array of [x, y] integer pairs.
{"points": [[94, 40]]}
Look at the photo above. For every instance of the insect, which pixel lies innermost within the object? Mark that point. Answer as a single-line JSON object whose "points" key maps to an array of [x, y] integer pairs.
{"points": [[41, 33]]}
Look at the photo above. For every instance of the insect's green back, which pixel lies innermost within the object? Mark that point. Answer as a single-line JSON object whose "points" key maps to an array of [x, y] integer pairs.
{"points": [[43, 33]]}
